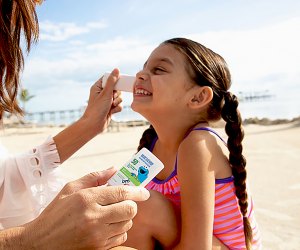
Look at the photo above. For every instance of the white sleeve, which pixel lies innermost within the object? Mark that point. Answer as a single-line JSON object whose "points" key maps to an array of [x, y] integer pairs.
{"points": [[28, 183]]}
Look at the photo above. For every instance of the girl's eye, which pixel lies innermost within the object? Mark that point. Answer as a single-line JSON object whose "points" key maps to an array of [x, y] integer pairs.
{"points": [[158, 70]]}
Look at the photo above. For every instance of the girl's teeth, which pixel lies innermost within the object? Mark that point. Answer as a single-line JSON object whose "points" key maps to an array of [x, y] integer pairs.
{"points": [[142, 92]]}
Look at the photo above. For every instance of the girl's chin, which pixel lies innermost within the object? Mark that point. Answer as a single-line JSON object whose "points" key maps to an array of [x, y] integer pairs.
{"points": [[139, 109], [133, 106], [136, 106]]}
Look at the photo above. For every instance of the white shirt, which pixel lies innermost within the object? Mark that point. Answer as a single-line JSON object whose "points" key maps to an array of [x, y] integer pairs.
{"points": [[28, 183]]}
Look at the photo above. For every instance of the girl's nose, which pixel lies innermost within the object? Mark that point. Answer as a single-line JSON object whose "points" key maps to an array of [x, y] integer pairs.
{"points": [[142, 75]]}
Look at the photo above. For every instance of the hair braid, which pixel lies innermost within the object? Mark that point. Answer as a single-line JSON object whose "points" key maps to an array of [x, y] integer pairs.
{"points": [[147, 138], [235, 132]]}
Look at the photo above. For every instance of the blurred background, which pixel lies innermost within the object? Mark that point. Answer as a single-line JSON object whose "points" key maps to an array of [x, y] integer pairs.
{"points": [[80, 40]]}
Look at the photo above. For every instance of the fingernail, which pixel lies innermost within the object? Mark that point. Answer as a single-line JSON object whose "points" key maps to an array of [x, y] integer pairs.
{"points": [[144, 192], [114, 72], [109, 169]]}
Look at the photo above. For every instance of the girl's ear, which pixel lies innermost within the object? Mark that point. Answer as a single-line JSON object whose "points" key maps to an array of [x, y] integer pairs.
{"points": [[201, 97]]}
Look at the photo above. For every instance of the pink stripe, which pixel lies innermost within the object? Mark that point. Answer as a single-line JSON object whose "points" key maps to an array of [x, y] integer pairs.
{"points": [[222, 220], [223, 188], [222, 192], [233, 236], [225, 226], [225, 209], [226, 201], [219, 186], [229, 196], [219, 195]]}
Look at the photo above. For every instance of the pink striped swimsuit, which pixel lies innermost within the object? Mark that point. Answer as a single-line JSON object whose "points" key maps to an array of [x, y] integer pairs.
{"points": [[228, 220]]}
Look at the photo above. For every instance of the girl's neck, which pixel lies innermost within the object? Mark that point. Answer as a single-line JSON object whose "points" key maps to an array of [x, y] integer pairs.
{"points": [[171, 136]]}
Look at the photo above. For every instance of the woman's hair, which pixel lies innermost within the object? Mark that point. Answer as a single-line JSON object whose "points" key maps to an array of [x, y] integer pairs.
{"points": [[207, 68], [16, 16]]}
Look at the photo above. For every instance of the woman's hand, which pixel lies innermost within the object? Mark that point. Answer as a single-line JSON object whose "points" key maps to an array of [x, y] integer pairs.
{"points": [[103, 102], [84, 215]]}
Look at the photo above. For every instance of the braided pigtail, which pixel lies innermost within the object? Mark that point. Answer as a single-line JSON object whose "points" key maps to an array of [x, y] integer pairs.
{"points": [[147, 138], [235, 132]]}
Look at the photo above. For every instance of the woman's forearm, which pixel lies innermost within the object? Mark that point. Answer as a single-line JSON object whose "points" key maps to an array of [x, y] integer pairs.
{"points": [[73, 138], [13, 238], [102, 103]]}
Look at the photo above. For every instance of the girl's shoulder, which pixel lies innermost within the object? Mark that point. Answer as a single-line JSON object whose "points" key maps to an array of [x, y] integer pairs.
{"points": [[205, 146], [197, 153], [204, 142], [198, 140], [203, 134]]}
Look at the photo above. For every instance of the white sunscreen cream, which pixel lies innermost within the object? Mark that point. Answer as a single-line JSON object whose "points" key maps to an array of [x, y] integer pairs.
{"points": [[138, 171]]}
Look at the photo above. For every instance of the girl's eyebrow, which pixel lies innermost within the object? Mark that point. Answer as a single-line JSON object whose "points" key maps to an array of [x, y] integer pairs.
{"points": [[164, 59], [145, 64]]}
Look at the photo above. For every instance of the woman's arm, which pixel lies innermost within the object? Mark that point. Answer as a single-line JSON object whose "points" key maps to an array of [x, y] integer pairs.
{"points": [[101, 105], [30, 179], [197, 182], [84, 215]]}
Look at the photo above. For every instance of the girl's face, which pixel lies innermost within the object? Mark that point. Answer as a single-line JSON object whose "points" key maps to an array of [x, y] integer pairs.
{"points": [[162, 86]]}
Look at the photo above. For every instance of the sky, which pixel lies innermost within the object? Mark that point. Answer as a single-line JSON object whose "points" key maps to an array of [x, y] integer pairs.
{"points": [[81, 40]]}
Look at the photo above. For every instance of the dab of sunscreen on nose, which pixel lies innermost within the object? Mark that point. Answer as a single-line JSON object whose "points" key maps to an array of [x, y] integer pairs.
{"points": [[138, 171]]}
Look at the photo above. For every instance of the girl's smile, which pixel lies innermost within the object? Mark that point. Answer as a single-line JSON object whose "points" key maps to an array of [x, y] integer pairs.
{"points": [[140, 91]]}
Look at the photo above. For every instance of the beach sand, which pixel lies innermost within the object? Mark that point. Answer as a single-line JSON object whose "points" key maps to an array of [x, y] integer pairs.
{"points": [[272, 153]]}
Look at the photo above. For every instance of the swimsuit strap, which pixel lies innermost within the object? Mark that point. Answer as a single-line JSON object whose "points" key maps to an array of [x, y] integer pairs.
{"points": [[201, 128], [209, 130], [151, 149], [153, 143], [174, 172]]}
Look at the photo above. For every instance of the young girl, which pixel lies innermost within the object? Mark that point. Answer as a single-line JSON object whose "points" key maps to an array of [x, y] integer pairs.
{"points": [[181, 90]]}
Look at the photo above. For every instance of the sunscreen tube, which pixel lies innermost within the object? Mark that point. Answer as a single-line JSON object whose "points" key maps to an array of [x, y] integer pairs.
{"points": [[125, 82], [138, 171]]}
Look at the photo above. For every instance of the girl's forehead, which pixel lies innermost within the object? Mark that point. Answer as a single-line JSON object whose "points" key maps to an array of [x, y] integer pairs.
{"points": [[163, 49], [165, 52]]}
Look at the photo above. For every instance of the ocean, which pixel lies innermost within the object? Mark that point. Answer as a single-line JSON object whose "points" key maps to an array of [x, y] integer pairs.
{"points": [[271, 107]]}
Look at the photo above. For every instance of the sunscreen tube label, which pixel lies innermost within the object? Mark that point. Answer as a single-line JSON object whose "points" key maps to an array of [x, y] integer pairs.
{"points": [[138, 171], [125, 82]]}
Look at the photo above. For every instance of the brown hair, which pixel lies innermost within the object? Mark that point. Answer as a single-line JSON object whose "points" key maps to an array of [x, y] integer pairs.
{"points": [[207, 68], [15, 16]]}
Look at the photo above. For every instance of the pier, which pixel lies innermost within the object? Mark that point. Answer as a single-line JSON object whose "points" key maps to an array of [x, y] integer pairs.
{"points": [[55, 116], [254, 96], [126, 118]]}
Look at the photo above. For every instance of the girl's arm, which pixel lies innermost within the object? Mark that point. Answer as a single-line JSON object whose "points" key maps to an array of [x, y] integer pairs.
{"points": [[196, 175]]}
